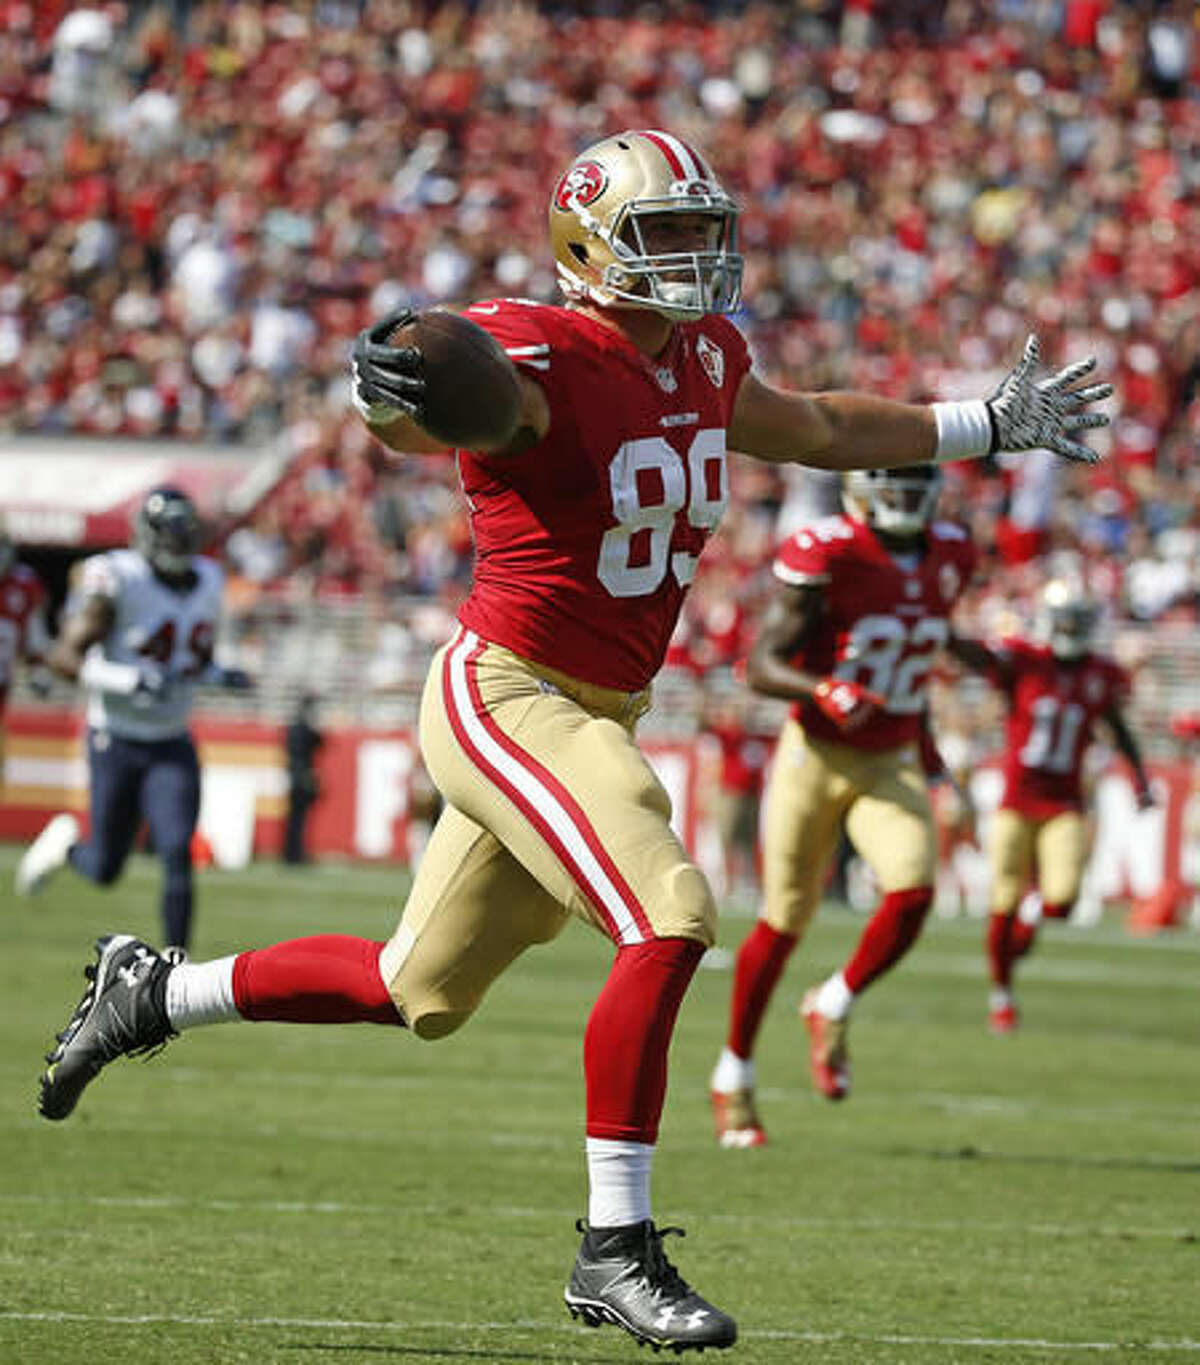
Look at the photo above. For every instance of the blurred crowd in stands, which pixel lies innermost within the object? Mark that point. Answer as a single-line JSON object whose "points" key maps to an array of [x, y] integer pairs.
{"points": [[202, 203]]}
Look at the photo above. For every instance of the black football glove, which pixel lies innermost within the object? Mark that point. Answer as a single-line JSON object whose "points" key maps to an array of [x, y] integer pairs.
{"points": [[387, 380], [232, 679]]}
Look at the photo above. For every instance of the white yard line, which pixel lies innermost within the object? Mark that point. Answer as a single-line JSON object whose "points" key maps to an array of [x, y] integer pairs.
{"points": [[354, 1325]]}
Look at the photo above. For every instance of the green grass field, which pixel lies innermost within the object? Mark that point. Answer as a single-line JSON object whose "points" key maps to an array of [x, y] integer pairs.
{"points": [[265, 1193]]}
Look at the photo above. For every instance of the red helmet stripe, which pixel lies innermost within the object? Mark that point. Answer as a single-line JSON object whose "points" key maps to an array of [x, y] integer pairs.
{"points": [[684, 163]]}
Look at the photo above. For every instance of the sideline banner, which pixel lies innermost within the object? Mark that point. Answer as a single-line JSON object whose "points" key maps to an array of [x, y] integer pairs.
{"points": [[376, 801]]}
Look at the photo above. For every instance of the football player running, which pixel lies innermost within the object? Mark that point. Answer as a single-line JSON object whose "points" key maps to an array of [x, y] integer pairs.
{"points": [[858, 620], [588, 521], [1057, 688], [138, 641]]}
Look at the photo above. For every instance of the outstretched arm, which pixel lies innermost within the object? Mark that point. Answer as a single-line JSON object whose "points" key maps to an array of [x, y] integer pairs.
{"points": [[830, 430], [861, 431]]}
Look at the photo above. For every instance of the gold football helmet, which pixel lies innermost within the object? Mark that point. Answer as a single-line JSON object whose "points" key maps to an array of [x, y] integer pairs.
{"points": [[898, 502], [603, 214], [1066, 619]]}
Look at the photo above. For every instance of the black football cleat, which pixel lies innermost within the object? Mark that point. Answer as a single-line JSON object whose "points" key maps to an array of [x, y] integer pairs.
{"points": [[622, 1276], [122, 1014]]}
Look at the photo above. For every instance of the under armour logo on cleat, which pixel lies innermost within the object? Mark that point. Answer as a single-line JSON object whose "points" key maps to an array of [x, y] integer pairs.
{"points": [[134, 971]]}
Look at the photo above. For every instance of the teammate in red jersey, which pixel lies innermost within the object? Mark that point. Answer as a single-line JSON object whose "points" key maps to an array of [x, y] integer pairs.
{"points": [[1057, 688], [859, 617], [23, 634], [743, 751], [588, 522]]}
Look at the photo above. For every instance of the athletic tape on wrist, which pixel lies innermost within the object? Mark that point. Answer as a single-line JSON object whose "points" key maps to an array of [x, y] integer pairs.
{"points": [[108, 675], [964, 430]]}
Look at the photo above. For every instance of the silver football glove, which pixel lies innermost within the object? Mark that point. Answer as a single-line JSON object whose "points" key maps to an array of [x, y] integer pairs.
{"points": [[1032, 414]]}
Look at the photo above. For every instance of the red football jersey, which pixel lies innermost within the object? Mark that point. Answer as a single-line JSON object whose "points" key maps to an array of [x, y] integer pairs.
{"points": [[585, 544], [21, 597], [1052, 711], [886, 619]]}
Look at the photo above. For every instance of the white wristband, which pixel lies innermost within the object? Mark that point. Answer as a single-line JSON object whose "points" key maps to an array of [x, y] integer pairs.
{"points": [[964, 430], [107, 675]]}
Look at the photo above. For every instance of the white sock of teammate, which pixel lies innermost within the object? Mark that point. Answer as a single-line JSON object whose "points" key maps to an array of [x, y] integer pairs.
{"points": [[732, 1073], [834, 997], [619, 1182], [1030, 910], [201, 993]]}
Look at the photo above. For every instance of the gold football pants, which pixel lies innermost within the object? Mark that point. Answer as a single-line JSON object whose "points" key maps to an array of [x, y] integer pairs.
{"points": [[883, 798], [1056, 848], [552, 810]]}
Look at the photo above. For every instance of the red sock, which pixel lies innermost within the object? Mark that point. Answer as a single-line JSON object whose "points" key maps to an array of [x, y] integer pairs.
{"points": [[890, 933], [628, 1034], [325, 979], [1000, 950], [1056, 909], [760, 963], [1021, 937]]}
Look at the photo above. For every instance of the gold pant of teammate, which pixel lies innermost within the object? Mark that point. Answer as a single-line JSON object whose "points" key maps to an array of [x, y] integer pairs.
{"points": [[1056, 847], [552, 810], [883, 798]]}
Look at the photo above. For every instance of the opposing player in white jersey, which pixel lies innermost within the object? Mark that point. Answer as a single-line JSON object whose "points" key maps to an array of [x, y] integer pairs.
{"points": [[139, 641]]}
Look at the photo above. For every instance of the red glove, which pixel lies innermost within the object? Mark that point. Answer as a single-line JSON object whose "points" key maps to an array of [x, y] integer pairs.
{"points": [[848, 704]]}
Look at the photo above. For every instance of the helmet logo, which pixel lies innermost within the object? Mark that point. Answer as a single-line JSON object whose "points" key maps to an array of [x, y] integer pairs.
{"points": [[585, 182]]}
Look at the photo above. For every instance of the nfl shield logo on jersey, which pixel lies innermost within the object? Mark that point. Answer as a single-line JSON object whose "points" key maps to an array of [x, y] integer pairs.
{"points": [[713, 360]]}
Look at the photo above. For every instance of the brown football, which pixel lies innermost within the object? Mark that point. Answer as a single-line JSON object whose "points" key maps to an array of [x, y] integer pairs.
{"points": [[472, 393]]}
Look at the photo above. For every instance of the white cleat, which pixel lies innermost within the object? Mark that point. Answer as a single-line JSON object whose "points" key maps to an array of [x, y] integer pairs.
{"points": [[48, 852]]}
